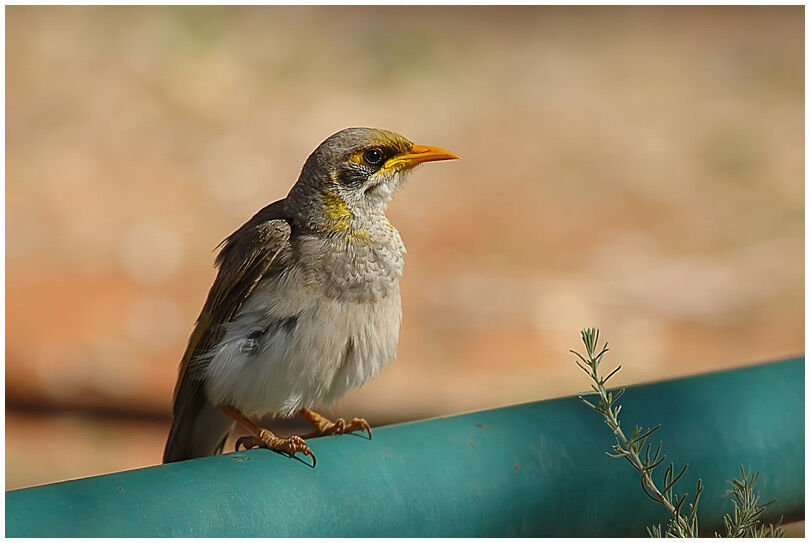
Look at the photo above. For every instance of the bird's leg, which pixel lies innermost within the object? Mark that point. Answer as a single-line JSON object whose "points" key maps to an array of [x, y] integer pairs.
{"points": [[326, 427], [262, 437]]}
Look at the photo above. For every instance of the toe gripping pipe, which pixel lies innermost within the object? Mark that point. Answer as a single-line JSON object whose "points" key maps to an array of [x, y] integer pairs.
{"points": [[536, 469]]}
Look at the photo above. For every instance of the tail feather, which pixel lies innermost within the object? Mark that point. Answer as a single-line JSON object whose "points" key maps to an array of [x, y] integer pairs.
{"points": [[199, 429]]}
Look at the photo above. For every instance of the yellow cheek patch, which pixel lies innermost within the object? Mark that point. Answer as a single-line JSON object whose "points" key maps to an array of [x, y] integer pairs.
{"points": [[340, 218], [337, 211]]}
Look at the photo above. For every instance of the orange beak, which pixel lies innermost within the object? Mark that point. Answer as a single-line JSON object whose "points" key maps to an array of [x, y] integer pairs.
{"points": [[419, 154]]}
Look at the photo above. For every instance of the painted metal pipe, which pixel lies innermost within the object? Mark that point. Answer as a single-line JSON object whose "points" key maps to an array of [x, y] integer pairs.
{"points": [[535, 469]]}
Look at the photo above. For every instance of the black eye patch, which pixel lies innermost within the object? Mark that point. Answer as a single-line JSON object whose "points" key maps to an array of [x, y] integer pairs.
{"points": [[363, 164]]}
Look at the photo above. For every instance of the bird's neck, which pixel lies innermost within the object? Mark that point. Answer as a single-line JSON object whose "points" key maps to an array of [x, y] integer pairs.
{"points": [[359, 225], [360, 254], [328, 214]]}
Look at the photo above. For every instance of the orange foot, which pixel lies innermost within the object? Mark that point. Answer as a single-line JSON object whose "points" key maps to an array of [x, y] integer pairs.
{"points": [[262, 437], [325, 427], [267, 440]]}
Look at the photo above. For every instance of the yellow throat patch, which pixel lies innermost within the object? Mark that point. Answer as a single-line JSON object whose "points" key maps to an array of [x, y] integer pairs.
{"points": [[340, 218]]}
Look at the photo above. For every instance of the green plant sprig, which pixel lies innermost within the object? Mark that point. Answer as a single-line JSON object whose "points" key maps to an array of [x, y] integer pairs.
{"points": [[635, 449], [744, 521], [745, 518]]}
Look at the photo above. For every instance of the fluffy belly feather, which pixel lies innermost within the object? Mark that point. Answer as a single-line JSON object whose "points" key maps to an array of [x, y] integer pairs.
{"points": [[277, 357]]}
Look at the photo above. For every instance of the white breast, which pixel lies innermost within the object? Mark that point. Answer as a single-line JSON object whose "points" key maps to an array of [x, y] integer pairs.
{"points": [[292, 346]]}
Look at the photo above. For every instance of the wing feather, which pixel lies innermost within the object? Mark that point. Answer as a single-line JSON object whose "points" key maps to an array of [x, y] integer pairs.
{"points": [[245, 258]]}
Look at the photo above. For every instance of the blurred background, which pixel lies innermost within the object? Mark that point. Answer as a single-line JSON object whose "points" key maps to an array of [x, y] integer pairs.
{"points": [[638, 169]]}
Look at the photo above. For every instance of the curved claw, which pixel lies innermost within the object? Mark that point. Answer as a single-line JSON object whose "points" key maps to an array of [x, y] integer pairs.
{"points": [[294, 444], [289, 446], [248, 442], [359, 424]]}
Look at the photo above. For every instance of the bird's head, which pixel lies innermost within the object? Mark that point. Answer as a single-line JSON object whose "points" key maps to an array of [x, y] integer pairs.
{"points": [[361, 168]]}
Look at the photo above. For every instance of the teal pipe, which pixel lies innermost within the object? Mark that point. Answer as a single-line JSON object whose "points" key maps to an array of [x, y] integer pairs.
{"points": [[536, 469]]}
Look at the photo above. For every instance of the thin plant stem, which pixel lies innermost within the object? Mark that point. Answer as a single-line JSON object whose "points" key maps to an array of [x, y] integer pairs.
{"points": [[632, 447], [745, 518]]}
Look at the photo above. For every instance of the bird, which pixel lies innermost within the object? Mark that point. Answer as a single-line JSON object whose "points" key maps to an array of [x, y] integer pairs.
{"points": [[305, 305]]}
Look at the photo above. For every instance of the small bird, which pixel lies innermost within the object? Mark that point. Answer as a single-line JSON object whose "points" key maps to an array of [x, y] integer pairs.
{"points": [[306, 302]]}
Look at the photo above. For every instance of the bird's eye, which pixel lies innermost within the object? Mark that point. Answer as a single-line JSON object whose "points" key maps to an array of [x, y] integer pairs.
{"points": [[373, 156]]}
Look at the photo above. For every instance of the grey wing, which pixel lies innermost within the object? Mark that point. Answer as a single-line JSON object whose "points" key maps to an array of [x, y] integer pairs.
{"points": [[246, 256]]}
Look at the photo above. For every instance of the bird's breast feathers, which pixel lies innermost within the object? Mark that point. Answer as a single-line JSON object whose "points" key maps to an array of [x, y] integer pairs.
{"points": [[326, 322]]}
